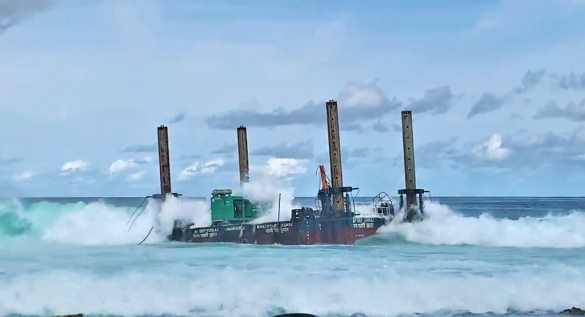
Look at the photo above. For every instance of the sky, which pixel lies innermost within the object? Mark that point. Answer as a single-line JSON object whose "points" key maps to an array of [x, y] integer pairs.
{"points": [[496, 88]]}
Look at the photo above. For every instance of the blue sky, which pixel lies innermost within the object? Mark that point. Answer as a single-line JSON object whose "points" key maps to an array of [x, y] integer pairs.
{"points": [[497, 91]]}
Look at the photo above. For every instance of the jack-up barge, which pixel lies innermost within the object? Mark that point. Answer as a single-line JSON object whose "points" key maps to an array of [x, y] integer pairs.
{"points": [[333, 222]]}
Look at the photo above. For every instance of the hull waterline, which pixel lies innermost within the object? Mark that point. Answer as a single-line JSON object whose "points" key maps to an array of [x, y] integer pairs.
{"points": [[301, 232]]}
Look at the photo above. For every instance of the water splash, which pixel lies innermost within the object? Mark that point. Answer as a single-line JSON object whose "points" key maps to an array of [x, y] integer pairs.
{"points": [[443, 226]]}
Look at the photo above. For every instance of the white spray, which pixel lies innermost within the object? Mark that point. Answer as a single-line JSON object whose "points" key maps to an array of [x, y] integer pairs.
{"points": [[187, 210], [442, 226], [266, 190], [97, 224]]}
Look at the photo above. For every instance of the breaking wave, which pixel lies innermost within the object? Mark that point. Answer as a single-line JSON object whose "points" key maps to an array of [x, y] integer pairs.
{"points": [[386, 279], [104, 224], [264, 289], [442, 226], [94, 223]]}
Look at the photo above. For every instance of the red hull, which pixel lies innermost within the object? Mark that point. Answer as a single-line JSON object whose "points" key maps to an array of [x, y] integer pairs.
{"points": [[303, 232]]}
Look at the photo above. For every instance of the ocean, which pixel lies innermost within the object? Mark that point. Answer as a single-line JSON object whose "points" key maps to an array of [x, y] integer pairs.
{"points": [[489, 256]]}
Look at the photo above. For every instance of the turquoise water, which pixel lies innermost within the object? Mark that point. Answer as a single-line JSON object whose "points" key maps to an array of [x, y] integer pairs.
{"points": [[502, 256]]}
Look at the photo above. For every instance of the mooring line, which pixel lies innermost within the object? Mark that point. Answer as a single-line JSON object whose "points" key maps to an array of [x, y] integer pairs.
{"points": [[146, 235], [142, 203], [144, 208]]}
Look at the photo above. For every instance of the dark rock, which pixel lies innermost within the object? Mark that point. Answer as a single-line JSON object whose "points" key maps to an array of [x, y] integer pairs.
{"points": [[574, 311], [73, 315]]}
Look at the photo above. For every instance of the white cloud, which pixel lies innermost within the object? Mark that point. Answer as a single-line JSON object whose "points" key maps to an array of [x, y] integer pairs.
{"points": [[189, 172], [124, 165], [121, 165], [135, 176], [492, 150], [282, 167], [306, 72], [24, 176], [211, 166], [355, 95], [74, 166], [196, 168]]}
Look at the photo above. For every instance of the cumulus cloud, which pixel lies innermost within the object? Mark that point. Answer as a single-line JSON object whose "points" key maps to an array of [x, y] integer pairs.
{"points": [[74, 166], [572, 81], [121, 165], [356, 102], [360, 105], [573, 112], [281, 167], [489, 102], [532, 151], [530, 80], [435, 101], [197, 168], [492, 150]]}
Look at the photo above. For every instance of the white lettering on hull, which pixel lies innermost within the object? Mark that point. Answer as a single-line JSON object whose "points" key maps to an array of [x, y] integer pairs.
{"points": [[275, 227], [209, 232]]}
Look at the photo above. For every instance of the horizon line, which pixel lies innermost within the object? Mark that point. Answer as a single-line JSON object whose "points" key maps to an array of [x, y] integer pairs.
{"points": [[205, 197]]}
